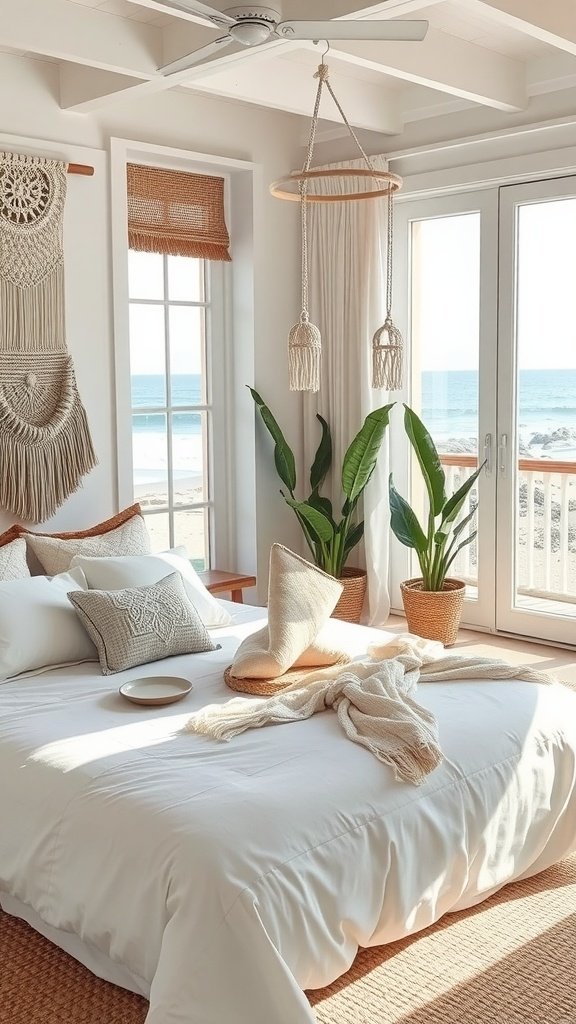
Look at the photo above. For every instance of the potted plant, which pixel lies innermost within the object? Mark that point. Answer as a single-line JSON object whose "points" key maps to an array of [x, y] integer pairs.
{"points": [[432, 602], [331, 539]]}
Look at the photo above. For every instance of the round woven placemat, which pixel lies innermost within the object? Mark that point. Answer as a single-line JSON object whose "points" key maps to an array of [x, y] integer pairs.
{"points": [[509, 960], [268, 687], [264, 687]]}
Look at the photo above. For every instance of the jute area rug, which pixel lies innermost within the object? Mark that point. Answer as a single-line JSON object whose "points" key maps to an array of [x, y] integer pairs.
{"points": [[510, 960]]}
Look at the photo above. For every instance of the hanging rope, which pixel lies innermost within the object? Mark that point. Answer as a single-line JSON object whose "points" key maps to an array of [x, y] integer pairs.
{"points": [[387, 346], [304, 339]]}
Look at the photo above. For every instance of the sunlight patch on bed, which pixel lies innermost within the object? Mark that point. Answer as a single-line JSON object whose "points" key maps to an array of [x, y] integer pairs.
{"points": [[75, 751]]}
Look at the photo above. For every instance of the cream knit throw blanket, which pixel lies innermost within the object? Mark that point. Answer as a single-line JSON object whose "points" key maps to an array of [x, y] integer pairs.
{"points": [[45, 443], [374, 701]]}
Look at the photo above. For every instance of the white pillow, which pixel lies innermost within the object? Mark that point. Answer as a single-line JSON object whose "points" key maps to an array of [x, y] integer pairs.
{"points": [[39, 627], [143, 570]]}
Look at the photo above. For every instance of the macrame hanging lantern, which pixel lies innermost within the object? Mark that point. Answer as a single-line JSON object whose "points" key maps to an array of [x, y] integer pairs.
{"points": [[304, 339], [387, 345]]}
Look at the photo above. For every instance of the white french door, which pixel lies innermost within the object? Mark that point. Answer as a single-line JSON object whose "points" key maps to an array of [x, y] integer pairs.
{"points": [[536, 510], [486, 287]]}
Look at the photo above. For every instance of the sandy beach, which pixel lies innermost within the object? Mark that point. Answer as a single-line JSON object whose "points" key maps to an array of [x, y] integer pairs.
{"points": [[189, 524]]}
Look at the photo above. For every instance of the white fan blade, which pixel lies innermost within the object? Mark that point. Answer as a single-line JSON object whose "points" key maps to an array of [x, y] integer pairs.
{"points": [[202, 10], [191, 59], [410, 31]]}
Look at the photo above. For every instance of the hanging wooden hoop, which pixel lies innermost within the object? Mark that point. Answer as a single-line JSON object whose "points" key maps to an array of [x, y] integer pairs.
{"points": [[304, 339], [393, 182]]}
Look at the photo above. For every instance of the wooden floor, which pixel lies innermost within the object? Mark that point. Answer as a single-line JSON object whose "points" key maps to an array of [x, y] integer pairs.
{"points": [[559, 662]]}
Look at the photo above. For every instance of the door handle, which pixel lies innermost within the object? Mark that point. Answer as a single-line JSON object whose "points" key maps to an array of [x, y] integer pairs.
{"points": [[502, 451], [488, 454]]}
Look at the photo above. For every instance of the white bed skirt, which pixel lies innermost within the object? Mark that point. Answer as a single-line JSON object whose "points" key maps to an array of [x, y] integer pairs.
{"points": [[94, 959]]}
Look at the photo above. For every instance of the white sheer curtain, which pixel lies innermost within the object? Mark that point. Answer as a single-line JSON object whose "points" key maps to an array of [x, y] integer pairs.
{"points": [[347, 302]]}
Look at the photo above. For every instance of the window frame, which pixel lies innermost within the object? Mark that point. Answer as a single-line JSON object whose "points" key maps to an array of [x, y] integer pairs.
{"points": [[219, 359], [237, 543], [212, 303]]}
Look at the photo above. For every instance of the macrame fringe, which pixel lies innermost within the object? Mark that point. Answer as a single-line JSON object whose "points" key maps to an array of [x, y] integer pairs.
{"points": [[37, 478], [387, 358], [32, 319], [143, 241], [304, 356], [304, 368]]}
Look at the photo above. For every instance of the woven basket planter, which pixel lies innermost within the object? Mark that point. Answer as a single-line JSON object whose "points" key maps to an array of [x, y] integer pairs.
{"points": [[434, 614], [350, 604]]}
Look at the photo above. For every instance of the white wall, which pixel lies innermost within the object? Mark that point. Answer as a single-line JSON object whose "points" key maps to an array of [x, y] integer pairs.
{"points": [[31, 120]]}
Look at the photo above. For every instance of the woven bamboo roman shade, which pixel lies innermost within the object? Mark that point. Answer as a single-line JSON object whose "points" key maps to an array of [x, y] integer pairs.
{"points": [[176, 213]]}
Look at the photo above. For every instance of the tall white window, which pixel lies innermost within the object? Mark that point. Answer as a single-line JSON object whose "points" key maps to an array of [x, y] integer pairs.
{"points": [[171, 348]]}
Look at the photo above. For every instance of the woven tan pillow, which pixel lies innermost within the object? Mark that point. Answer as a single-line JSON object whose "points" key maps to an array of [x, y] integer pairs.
{"points": [[124, 534], [141, 624], [13, 564]]}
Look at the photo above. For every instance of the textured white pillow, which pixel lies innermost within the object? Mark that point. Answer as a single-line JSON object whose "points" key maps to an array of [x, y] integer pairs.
{"points": [[38, 626], [144, 570], [13, 564], [138, 625], [55, 554]]}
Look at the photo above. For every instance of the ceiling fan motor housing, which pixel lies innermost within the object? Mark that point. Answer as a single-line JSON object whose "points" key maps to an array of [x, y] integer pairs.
{"points": [[254, 25]]}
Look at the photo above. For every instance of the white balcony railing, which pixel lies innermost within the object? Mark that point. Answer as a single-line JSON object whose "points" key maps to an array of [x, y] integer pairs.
{"points": [[545, 526]]}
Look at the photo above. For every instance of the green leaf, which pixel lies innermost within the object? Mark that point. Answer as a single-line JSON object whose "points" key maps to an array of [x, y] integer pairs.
{"points": [[322, 504], [404, 522], [428, 458], [353, 537], [464, 522], [362, 453], [455, 503], [459, 548], [323, 457], [283, 455], [320, 527], [440, 537]]}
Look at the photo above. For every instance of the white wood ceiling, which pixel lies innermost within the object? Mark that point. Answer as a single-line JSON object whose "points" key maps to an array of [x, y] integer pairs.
{"points": [[492, 53]]}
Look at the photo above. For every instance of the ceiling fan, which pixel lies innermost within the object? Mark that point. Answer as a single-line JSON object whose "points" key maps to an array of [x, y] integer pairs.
{"points": [[256, 26]]}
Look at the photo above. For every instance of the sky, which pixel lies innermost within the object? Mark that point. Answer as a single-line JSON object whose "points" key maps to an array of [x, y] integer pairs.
{"points": [[445, 283], [146, 281], [446, 251]]}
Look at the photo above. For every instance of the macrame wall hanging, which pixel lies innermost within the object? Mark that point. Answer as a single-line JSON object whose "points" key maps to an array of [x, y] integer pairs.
{"points": [[45, 443], [304, 340]]}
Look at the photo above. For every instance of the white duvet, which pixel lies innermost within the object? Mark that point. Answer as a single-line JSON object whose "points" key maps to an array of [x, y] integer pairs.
{"points": [[223, 879]]}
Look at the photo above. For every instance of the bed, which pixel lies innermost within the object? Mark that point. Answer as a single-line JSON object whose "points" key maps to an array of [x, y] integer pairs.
{"points": [[221, 880]]}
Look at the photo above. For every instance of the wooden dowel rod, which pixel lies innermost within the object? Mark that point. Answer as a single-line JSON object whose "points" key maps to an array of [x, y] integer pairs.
{"points": [[80, 169]]}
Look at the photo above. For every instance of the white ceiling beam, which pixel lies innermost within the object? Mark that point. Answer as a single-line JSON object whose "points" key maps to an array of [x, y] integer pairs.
{"points": [[296, 10], [550, 21], [111, 94], [299, 10], [86, 93], [67, 31], [85, 90], [448, 64], [284, 86], [153, 5], [417, 104], [550, 73]]}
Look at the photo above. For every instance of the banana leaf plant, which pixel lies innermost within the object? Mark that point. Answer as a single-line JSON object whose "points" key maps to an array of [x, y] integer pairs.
{"points": [[330, 539], [437, 544]]}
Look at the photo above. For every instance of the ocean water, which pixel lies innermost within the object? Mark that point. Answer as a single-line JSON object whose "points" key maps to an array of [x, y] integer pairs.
{"points": [[449, 410], [547, 401], [148, 390], [149, 441]]}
